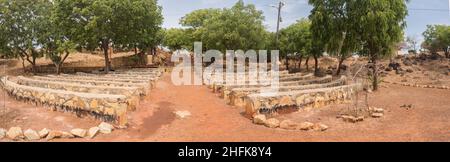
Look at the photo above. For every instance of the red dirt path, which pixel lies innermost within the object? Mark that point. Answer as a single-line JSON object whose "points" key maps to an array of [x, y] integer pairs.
{"points": [[213, 120]]}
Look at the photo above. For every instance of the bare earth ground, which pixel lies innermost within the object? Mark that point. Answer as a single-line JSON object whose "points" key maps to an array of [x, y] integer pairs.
{"points": [[213, 120]]}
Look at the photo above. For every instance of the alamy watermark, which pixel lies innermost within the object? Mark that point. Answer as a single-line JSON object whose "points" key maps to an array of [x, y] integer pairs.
{"points": [[235, 67]]}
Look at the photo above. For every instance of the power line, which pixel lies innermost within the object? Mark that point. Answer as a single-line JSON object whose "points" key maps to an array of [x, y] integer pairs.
{"points": [[429, 9]]}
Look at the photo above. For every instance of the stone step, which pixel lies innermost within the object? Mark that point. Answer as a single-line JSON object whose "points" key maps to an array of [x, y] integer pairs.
{"points": [[308, 79], [112, 106], [270, 102], [133, 94], [146, 86], [235, 96], [101, 78]]}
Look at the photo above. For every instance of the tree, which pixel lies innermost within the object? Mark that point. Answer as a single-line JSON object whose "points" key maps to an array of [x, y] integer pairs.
{"points": [[121, 23], [412, 43], [239, 27], [380, 28], [318, 24], [338, 29], [177, 39], [54, 35], [296, 40], [19, 27], [437, 37]]}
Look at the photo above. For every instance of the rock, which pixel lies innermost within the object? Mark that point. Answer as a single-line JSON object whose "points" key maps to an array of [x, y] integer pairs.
{"points": [[409, 70], [272, 123], [53, 134], [15, 133], [376, 110], [182, 114], [2, 133], [288, 124], [377, 115], [105, 128], [79, 132], [93, 131], [259, 119], [394, 65], [44, 132], [31, 135], [320, 127], [67, 135], [305, 126]]}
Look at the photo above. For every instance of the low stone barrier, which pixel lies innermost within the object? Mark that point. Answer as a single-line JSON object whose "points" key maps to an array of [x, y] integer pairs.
{"points": [[146, 86], [269, 103], [326, 79], [105, 106], [133, 94], [235, 96], [219, 87]]}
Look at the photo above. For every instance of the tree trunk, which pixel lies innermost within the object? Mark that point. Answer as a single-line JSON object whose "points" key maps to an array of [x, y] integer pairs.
{"points": [[23, 65], [374, 74], [341, 60], [316, 65], [300, 63], [105, 46], [135, 50], [287, 63], [307, 64], [58, 68]]}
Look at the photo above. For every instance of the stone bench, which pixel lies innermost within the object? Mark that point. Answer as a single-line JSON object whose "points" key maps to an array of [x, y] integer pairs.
{"points": [[307, 79], [146, 86], [133, 94], [271, 102], [107, 106], [220, 86], [236, 96], [102, 78]]}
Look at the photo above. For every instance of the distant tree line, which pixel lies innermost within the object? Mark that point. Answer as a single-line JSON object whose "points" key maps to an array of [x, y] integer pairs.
{"points": [[53, 28]]}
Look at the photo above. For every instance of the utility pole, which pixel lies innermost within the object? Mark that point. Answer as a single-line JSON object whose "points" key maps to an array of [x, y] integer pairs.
{"points": [[280, 5]]}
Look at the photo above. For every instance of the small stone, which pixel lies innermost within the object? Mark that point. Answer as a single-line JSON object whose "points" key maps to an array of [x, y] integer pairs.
{"points": [[320, 127], [67, 135], [182, 114], [93, 131], [15, 133], [377, 115], [259, 119], [105, 128], [272, 123], [31, 135], [2, 133], [53, 134], [44, 132], [79, 132], [288, 124], [305, 126]]}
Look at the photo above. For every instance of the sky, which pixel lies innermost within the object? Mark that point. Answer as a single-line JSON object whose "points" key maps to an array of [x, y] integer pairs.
{"points": [[421, 12]]}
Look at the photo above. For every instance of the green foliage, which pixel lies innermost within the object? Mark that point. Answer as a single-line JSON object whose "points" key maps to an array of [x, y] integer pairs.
{"points": [[437, 37], [239, 27], [19, 28], [296, 39], [177, 39]]}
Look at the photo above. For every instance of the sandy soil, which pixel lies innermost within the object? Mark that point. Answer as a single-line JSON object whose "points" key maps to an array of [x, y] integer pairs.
{"points": [[213, 120]]}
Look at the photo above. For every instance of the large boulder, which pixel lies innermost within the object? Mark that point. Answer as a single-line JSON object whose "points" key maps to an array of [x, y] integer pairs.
{"points": [[31, 135], [54, 134], [305, 126], [2, 133], [272, 123], [79, 132], [15, 133], [259, 119], [92, 132], [44, 132], [105, 128], [288, 124]]}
